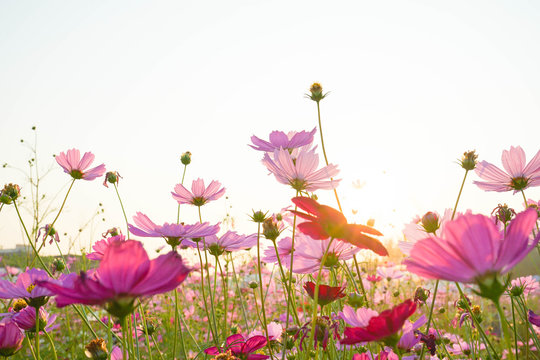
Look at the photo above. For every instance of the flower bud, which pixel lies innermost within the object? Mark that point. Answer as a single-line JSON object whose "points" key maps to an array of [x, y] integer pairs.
{"points": [[258, 216], [503, 213], [516, 290], [58, 265], [316, 92], [253, 285], [468, 161], [111, 177], [186, 158], [10, 193], [270, 229], [421, 295], [430, 222], [355, 300]]}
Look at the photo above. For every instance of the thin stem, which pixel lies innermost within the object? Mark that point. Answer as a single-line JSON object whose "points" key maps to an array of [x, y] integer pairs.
{"points": [[181, 182], [122, 206], [29, 239], [459, 194], [261, 286], [123, 321], [214, 336], [284, 282], [52, 344], [515, 329], [506, 333], [239, 294], [37, 333]]}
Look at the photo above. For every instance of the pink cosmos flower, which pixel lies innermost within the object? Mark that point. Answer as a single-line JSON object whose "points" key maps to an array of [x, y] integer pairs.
{"points": [[199, 194], [101, 246], [472, 247], [73, 165], [431, 224], [357, 318], [528, 284], [284, 247], [278, 139], [26, 319], [124, 274], [308, 254], [389, 272], [240, 347], [11, 338], [172, 233], [518, 176], [274, 332], [230, 241], [301, 173]]}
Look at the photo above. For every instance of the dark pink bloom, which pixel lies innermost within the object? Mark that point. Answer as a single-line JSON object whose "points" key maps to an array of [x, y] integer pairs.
{"points": [[518, 176], [381, 327], [199, 194], [173, 233], [124, 274], [533, 318], [101, 246], [73, 165], [26, 319], [241, 347], [301, 172], [473, 246], [11, 338], [278, 139]]}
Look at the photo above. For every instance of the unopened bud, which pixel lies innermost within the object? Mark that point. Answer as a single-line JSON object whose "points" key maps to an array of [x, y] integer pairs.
{"points": [[258, 216], [355, 300], [503, 213], [9, 193], [430, 222], [253, 285], [270, 229], [516, 290], [316, 92], [468, 161], [186, 158], [421, 295]]}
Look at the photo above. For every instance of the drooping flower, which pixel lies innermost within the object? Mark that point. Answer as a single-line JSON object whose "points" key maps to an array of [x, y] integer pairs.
{"points": [[101, 246], [112, 177], [27, 287], [241, 347], [327, 294], [518, 176], [278, 139], [172, 233], [325, 222], [357, 318], [11, 338], [26, 319], [383, 327], [230, 241], [73, 165], [48, 232], [124, 274], [473, 249], [199, 194], [301, 172]]}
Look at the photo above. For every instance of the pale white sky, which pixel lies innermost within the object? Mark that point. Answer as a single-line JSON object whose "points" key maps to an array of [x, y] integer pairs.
{"points": [[413, 85]]}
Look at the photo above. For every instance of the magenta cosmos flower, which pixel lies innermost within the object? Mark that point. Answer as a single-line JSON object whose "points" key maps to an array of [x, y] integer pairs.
{"points": [[278, 139], [301, 173], [124, 274], [73, 165], [26, 287], [473, 249], [199, 194], [172, 233], [237, 346], [518, 176], [11, 338]]}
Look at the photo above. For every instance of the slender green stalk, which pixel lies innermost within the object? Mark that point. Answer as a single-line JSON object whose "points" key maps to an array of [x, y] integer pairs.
{"points": [[122, 206], [316, 294], [52, 344], [285, 285], [506, 333], [37, 333], [156, 346], [36, 254], [123, 321], [240, 296], [515, 328], [225, 295], [214, 336], [265, 326], [181, 182], [145, 327], [30, 347]]}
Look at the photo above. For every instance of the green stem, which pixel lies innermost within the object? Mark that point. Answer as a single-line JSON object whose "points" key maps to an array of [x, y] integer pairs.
{"points": [[240, 296], [37, 333], [285, 285], [52, 344], [225, 295], [265, 325], [214, 336], [181, 182], [122, 206], [506, 333], [515, 329], [316, 295], [36, 254], [123, 321]]}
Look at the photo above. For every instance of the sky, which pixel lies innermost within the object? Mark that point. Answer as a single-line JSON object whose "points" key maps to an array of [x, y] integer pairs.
{"points": [[412, 85]]}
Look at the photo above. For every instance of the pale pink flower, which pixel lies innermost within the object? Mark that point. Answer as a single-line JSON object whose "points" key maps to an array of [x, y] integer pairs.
{"points": [[73, 165], [278, 139], [357, 318], [423, 227], [301, 173], [284, 247], [199, 194], [528, 283], [309, 253], [473, 247], [518, 176], [274, 331], [389, 272], [230, 241]]}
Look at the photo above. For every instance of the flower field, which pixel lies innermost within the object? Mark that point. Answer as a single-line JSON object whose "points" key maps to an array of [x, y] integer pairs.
{"points": [[304, 283]]}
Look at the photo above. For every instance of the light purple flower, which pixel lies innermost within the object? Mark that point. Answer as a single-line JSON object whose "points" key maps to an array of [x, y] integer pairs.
{"points": [[533, 318], [472, 246], [284, 247], [26, 287], [173, 233], [518, 176], [408, 338], [73, 165], [199, 194], [230, 241], [278, 139], [301, 173]]}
